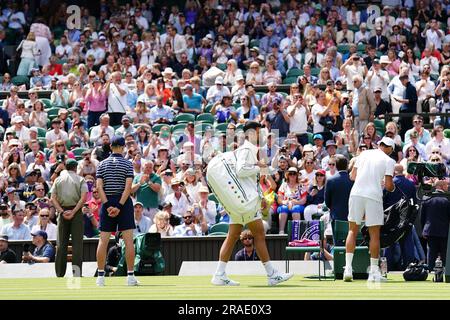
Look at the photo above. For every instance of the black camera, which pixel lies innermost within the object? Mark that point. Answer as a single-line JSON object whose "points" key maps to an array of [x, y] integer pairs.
{"points": [[426, 170], [60, 158]]}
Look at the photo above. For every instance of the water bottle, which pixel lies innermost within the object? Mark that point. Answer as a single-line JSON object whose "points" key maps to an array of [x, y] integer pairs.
{"points": [[438, 270], [383, 267]]}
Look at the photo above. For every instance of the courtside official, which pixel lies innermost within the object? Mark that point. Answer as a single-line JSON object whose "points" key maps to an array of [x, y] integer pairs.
{"points": [[114, 179]]}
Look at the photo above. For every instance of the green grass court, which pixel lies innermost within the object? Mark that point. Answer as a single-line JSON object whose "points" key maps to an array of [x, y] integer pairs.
{"points": [[199, 288]]}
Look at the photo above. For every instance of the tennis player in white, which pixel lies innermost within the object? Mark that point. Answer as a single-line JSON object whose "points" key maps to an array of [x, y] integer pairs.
{"points": [[243, 182], [372, 170]]}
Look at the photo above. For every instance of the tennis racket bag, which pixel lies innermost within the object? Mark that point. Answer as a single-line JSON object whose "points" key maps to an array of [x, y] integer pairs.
{"points": [[399, 219], [238, 196]]}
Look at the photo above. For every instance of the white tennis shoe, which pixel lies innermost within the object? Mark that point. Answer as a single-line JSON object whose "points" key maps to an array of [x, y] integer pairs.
{"points": [[277, 278], [348, 274], [100, 282], [375, 276], [223, 280], [132, 281]]}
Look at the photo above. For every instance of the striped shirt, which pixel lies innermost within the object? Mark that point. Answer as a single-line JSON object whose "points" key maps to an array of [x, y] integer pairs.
{"points": [[114, 171]]}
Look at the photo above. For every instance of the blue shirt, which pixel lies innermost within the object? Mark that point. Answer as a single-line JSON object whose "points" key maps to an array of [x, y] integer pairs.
{"points": [[21, 233], [193, 102], [47, 251], [165, 113]]}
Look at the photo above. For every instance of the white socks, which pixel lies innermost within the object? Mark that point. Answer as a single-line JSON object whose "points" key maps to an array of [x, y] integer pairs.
{"points": [[348, 260], [269, 268], [221, 268], [373, 264]]}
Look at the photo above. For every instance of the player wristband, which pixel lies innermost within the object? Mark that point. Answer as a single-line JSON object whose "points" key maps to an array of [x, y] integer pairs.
{"points": [[119, 206]]}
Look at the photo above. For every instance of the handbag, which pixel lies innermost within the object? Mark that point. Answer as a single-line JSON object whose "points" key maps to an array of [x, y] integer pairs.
{"points": [[416, 271]]}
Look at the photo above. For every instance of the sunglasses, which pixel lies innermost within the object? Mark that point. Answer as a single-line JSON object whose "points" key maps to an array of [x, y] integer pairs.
{"points": [[44, 216], [187, 217], [292, 174], [436, 152], [435, 160], [309, 162], [320, 175], [247, 238], [332, 164], [418, 121]]}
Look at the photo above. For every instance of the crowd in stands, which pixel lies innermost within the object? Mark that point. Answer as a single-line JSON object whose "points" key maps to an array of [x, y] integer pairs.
{"points": [[179, 82]]}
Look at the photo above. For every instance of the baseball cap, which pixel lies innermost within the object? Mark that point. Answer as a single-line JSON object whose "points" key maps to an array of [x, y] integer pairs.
{"points": [[138, 203], [3, 237], [125, 117], [251, 125], [203, 189], [321, 171], [187, 87], [166, 204], [175, 181], [330, 143], [10, 189], [317, 136], [414, 134], [40, 233], [71, 162], [377, 89], [190, 172], [388, 142], [219, 80], [293, 169], [117, 141], [188, 144]]}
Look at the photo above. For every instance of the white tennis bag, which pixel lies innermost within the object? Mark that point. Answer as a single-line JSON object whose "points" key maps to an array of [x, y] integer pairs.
{"points": [[239, 197]]}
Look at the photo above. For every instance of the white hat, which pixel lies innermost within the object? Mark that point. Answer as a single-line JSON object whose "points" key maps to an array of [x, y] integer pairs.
{"points": [[260, 57], [388, 142], [167, 71], [188, 144], [219, 80], [17, 119], [384, 59], [239, 77]]}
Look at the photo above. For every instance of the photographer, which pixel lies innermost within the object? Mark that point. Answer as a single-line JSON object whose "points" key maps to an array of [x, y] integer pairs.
{"points": [[299, 113], [435, 219], [117, 98], [44, 251], [87, 166]]}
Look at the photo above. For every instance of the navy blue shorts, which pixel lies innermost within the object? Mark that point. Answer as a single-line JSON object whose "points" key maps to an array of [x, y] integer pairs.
{"points": [[124, 221]]}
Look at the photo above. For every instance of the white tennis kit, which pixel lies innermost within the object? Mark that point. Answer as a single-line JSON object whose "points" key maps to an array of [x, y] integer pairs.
{"points": [[233, 177], [366, 196]]}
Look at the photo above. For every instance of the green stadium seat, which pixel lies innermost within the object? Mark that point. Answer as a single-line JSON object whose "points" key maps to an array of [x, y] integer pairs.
{"points": [[47, 103], [41, 132], [380, 126], [157, 127], [290, 80], [222, 66], [361, 258], [220, 227], [343, 48], [361, 47], [294, 72], [208, 108], [179, 127], [447, 133], [206, 117], [52, 113], [315, 71], [78, 153], [184, 117], [254, 43], [20, 80], [221, 127], [213, 197]]}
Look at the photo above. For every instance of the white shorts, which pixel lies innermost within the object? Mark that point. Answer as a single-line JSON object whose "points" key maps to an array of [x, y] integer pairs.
{"points": [[245, 219], [361, 208]]}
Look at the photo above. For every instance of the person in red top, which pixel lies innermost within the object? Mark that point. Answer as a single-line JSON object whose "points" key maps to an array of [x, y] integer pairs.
{"points": [[55, 67], [95, 203]]}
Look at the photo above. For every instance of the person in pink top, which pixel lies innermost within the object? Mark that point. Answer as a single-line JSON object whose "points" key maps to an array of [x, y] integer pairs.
{"points": [[96, 102]]}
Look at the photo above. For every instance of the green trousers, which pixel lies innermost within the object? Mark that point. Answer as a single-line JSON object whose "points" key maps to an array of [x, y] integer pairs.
{"points": [[67, 228]]}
